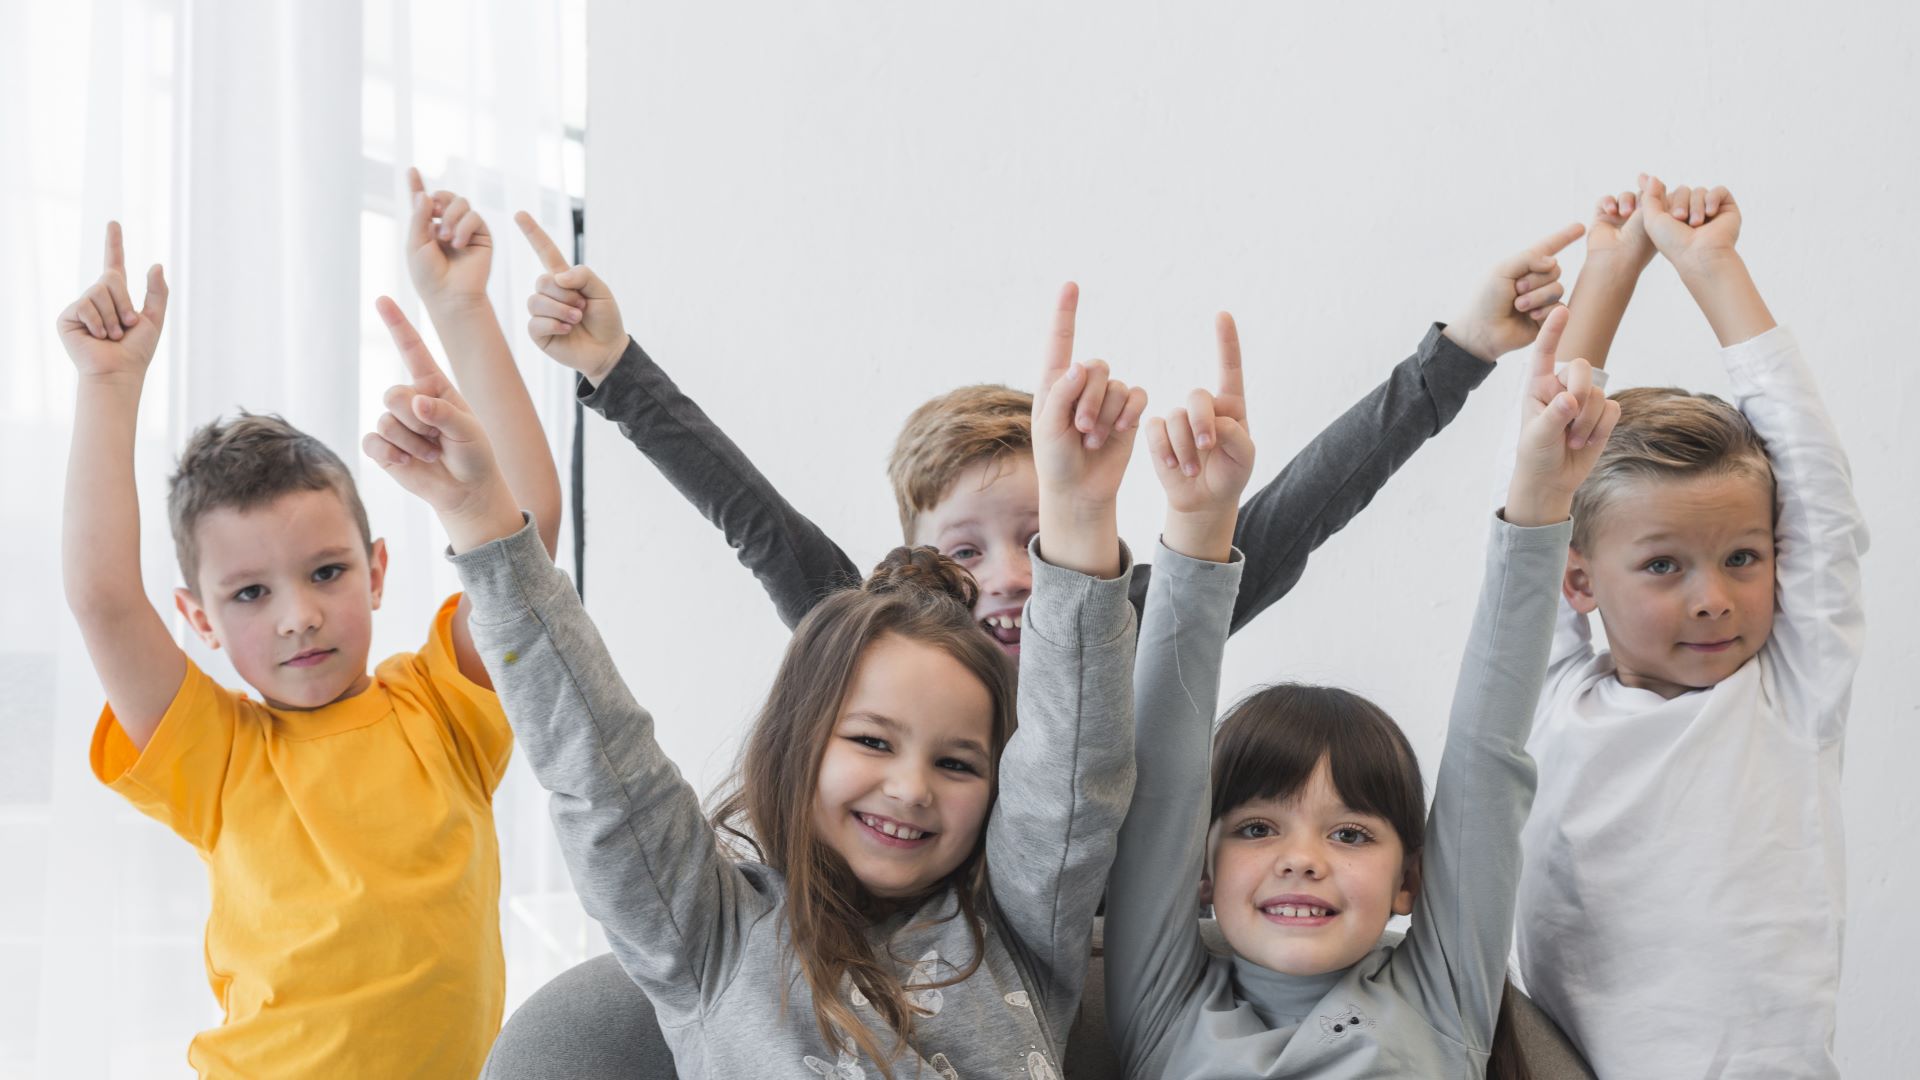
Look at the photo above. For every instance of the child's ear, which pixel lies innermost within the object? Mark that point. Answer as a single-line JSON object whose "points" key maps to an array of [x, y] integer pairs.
{"points": [[1206, 892], [1577, 585], [377, 569], [1409, 887], [196, 615]]}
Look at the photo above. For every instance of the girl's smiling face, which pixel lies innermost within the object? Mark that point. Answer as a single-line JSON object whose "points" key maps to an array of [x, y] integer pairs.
{"points": [[907, 774], [1305, 885]]}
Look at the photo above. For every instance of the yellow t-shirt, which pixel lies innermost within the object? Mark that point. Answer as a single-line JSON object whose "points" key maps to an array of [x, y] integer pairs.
{"points": [[355, 874]]}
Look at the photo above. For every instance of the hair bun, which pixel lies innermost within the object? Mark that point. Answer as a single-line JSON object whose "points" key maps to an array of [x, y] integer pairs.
{"points": [[922, 569]]}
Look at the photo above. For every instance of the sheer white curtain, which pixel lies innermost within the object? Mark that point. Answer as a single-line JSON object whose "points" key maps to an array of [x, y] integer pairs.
{"points": [[258, 149]]}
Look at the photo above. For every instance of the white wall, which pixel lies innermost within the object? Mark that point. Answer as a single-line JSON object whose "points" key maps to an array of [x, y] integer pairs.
{"points": [[816, 217]]}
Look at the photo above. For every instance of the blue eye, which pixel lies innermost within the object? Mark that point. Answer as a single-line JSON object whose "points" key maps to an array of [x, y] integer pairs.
{"points": [[329, 572], [249, 594], [1741, 559], [963, 553], [1662, 566]]}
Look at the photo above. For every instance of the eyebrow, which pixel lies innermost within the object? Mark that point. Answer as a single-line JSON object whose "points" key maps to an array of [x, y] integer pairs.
{"points": [[1661, 537], [891, 724]]}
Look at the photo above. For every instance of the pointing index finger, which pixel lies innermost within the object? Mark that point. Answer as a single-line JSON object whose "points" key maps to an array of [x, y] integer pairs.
{"points": [[413, 351], [543, 245], [1548, 342], [1559, 239], [1060, 338], [116, 253], [1232, 384]]}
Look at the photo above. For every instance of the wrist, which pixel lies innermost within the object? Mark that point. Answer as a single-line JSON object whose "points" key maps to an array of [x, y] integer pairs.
{"points": [[1531, 509], [489, 516], [453, 303], [1206, 535], [598, 373], [1474, 337]]}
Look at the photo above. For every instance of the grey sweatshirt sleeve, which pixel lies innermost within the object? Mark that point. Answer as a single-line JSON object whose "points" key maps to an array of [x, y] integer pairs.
{"points": [[1454, 959], [1336, 475], [1065, 777], [643, 859], [1153, 951], [796, 562]]}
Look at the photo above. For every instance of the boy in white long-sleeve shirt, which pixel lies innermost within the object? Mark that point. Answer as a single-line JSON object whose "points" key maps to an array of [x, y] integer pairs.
{"points": [[1682, 902]]}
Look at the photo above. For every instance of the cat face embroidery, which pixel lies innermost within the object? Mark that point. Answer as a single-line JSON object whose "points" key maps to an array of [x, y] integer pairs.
{"points": [[944, 1067], [1019, 1000], [1039, 1068], [928, 970], [847, 1068], [1336, 1026]]}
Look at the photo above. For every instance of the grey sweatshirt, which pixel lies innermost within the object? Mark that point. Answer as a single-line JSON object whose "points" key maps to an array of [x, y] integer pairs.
{"points": [[1425, 1006], [702, 933], [1330, 480]]}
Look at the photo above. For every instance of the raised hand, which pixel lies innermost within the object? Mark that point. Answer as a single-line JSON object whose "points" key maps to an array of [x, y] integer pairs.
{"points": [[449, 250], [574, 317], [102, 332], [1505, 313], [429, 440], [1564, 423], [1203, 455], [1084, 423], [1691, 226], [1619, 232]]}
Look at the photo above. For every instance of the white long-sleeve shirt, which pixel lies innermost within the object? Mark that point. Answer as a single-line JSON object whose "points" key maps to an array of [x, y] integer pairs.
{"points": [[1683, 898]]}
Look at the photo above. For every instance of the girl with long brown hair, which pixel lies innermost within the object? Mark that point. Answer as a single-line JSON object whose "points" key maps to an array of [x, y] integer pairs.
{"points": [[1304, 820], [897, 883]]}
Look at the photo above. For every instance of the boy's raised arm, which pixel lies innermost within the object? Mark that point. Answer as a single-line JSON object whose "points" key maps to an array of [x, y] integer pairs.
{"points": [[112, 344], [1696, 230], [1618, 251], [449, 260], [575, 320]]}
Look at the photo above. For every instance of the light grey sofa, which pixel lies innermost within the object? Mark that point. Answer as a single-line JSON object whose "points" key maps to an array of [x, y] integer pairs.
{"points": [[593, 1023]]}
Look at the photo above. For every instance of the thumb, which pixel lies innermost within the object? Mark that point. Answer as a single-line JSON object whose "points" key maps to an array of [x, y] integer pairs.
{"points": [[1653, 197], [420, 222], [154, 307], [1235, 441]]}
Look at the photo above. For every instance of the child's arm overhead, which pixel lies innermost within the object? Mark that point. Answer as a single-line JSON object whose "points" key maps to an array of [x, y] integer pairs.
{"points": [[1203, 455], [1336, 475], [576, 322], [1455, 953], [111, 345], [641, 854], [449, 261], [1618, 251], [1819, 534], [1066, 774]]}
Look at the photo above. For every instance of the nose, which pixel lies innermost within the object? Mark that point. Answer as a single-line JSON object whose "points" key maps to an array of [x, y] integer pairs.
{"points": [[1300, 859], [299, 614], [1008, 573], [907, 783], [1714, 600]]}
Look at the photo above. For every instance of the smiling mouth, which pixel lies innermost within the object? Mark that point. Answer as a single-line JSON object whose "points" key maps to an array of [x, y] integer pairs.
{"points": [[308, 658], [893, 833], [1005, 628], [1292, 914]]}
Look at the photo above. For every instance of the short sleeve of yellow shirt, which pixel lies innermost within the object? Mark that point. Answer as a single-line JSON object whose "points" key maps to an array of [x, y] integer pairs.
{"points": [[355, 874]]}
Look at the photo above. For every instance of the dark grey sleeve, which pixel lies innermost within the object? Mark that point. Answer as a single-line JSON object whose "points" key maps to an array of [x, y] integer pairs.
{"points": [[795, 561], [1336, 475], [1454, 958]]}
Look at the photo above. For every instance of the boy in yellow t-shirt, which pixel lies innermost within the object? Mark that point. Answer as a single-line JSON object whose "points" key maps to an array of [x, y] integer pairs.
{"points": [[345, 818]]}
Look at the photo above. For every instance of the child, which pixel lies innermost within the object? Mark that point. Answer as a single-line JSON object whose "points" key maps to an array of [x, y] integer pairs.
{"points": [[962, 472], [1312, 837], [1681, 909], [866, 934], [344, 817]]}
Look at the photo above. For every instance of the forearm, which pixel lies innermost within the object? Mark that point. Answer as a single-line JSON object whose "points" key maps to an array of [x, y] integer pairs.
{"points": [[137, 661], [484, 368], [1727, 296], [1599, 302], [794, 560]]}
